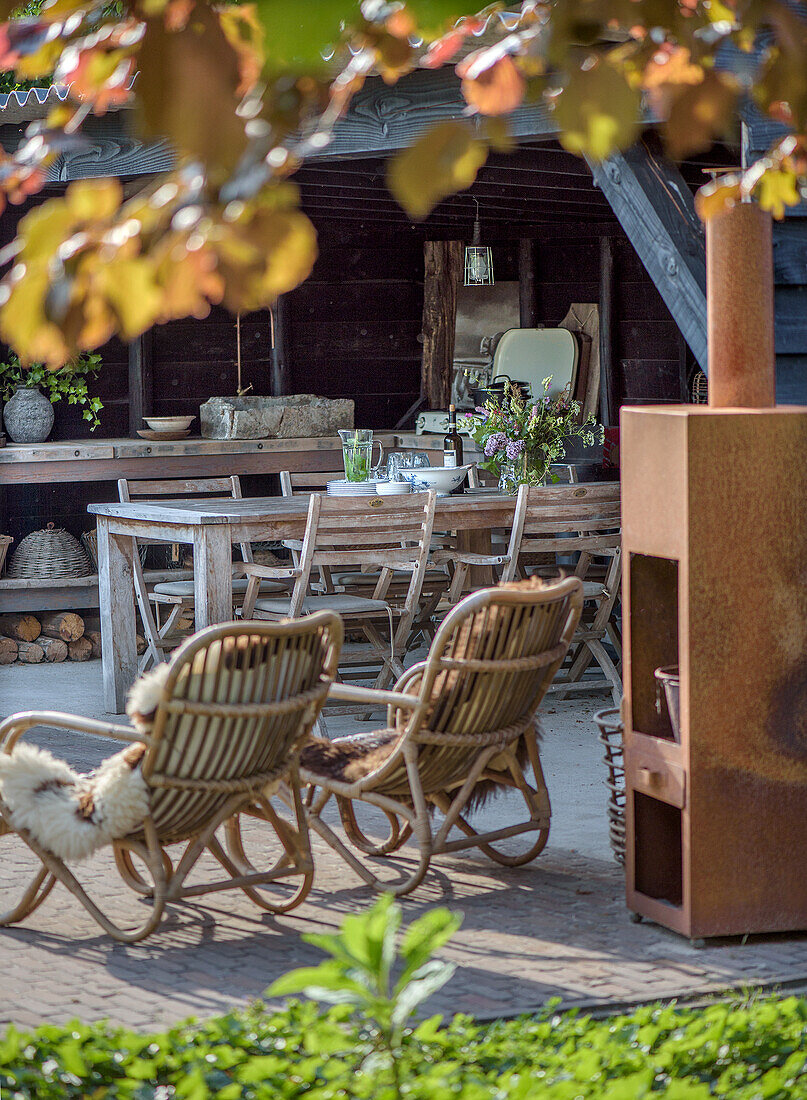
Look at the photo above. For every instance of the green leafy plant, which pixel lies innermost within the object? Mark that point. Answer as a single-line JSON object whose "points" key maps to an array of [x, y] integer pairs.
{"points": [[733, 1051], [529, 435], [68, 383], [383, 976]]}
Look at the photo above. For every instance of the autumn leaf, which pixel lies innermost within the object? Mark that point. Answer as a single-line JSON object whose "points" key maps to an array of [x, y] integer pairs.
{"points": [[23, 324], [443, 160], [130, 288], [497, 90], [597, 112], [717, 196], [94, 199], [776, 189], [245, 34], [699, 114], [187, 89]]}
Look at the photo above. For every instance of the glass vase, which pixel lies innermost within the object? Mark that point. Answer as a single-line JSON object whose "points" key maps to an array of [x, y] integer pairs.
{"points": [[520, 472]]}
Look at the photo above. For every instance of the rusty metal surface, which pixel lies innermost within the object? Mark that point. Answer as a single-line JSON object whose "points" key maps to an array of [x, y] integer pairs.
{"points": [[741, 604], [739, 302]]}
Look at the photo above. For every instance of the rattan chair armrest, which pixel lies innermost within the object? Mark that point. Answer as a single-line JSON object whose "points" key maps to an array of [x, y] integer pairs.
{"points": [[17, 724], [468, 558], [351, 693], [268, 572]]}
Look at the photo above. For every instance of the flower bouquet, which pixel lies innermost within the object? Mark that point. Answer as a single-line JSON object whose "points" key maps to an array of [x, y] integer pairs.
{"points": [[522, 439]]}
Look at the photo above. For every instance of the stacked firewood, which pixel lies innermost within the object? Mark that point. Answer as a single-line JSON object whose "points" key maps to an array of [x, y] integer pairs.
{"points": [[51, 636]]}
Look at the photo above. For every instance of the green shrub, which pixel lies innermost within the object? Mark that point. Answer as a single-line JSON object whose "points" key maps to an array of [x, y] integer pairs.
{"points": [[362, 1049], [741, 1052]]}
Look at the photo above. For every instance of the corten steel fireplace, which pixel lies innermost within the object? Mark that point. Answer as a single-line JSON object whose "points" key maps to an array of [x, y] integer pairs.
{"points": [[715, 580]]}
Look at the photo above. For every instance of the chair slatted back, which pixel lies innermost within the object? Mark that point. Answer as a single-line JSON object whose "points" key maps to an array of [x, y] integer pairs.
{"points": [[302, 482], [238, 702], [387, 532], [582, 519], [488, 669], [214, 488]]}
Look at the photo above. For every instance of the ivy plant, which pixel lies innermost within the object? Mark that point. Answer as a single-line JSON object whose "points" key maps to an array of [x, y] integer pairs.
{"points": [[68, 383]]}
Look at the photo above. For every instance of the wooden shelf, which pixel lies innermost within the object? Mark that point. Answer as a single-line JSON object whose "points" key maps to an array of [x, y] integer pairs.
{"points": [[72, 593]]}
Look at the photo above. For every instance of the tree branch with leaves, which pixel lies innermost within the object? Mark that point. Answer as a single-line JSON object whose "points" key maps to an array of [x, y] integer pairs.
{"points": [[246, 92]]}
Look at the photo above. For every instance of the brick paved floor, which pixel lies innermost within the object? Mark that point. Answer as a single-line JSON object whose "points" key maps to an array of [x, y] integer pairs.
{"points": [[557, 928]]}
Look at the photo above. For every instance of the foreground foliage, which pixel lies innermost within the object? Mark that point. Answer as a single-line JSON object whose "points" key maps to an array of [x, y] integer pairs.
{"points": [[743, 1052]]}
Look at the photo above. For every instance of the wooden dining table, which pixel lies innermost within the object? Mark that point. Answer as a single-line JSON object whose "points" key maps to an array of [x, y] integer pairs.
{"points": [[211, 528]]}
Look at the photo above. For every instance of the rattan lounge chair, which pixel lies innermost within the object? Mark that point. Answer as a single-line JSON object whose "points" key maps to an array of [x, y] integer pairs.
{"points": [[227, 716], [459, 725]]}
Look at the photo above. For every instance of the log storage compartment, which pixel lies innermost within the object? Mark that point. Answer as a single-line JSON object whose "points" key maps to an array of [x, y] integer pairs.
{"points": [[715, 555]]}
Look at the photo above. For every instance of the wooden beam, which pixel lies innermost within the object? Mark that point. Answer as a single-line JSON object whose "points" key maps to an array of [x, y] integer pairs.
{"points": [[141, 380], [443, 265], [281, 369], [657, 211], [526, 283], [606, 307]]}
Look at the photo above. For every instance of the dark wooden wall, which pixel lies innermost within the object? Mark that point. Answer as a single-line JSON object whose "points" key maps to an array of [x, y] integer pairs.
{"points": [[354, 326]]}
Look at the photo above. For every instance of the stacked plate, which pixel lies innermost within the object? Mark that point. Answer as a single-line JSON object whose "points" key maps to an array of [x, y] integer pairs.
{"points": [[344, 488]]}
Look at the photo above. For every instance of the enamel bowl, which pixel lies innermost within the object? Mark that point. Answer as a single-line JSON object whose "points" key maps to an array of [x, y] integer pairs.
{"points": [[169, 423], [440, 478]]}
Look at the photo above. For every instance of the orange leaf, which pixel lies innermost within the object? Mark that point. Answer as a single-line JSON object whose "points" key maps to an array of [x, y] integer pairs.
{"points": [[496, 91]]}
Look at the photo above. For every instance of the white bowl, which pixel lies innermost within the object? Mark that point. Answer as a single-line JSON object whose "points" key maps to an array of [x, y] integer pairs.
{"points": [[440, 478], [169, 423], [392, 488]]}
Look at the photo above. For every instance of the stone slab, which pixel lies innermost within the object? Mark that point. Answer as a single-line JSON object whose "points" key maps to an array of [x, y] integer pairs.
{"points": [[302, 415]]}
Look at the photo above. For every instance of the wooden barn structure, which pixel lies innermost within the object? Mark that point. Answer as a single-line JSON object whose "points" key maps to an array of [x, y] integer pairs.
{"points": [[624, 235]]}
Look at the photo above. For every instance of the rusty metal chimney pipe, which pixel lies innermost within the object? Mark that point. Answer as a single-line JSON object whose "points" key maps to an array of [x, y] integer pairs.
{"points": [[739, 295]]}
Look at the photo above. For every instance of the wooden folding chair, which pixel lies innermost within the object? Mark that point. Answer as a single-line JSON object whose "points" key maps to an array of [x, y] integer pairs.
{"points": [[177, 596], [582, 522], [238, 702], [387, 533], [460, 725]]}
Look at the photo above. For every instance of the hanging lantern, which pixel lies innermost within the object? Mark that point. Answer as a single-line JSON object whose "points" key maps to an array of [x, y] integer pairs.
{"points": [[478, 258]]}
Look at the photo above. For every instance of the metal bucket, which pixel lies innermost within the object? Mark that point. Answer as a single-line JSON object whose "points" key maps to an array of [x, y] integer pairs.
{"points": [[669, 678]]}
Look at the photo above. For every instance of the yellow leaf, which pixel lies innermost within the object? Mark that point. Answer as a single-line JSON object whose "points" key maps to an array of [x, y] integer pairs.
{"points": [[44, 228], [442, 161], [23, 324], [94, 200], [130, 288], [598, 112], [776, 190], [718, 195]]}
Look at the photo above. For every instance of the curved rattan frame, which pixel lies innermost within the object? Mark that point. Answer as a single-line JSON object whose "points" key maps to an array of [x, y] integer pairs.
{"points": [[441, 767], [223, 748]]}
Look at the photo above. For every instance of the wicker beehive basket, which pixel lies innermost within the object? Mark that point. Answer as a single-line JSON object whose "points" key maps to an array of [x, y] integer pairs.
{"points": [[48, 555]]}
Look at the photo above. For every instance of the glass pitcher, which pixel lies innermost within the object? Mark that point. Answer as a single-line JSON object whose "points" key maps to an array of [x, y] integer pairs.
{"points": [[357, 451]]}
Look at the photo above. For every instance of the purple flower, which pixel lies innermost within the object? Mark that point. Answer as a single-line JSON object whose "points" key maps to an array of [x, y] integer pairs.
{"points": [[480, 410], [514, 449], [497, 442]]}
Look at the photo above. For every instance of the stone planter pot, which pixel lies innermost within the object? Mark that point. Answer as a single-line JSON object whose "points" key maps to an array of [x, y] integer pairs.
{"points": [[28, 416]]}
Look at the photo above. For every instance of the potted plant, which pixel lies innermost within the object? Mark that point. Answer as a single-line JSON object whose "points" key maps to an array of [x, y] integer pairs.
{"points": [[31, 392], [521, 439]]}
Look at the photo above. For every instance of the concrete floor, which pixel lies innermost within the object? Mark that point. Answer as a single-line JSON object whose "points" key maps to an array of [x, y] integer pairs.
{"points": [[572, 755]]}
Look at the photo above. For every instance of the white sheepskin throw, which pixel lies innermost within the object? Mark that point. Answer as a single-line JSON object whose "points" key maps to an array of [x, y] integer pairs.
{"points": [[70, 814], [144, 697]]}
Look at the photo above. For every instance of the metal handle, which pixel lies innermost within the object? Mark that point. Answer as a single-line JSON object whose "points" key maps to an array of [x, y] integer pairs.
{"points": [[650, 778]]}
